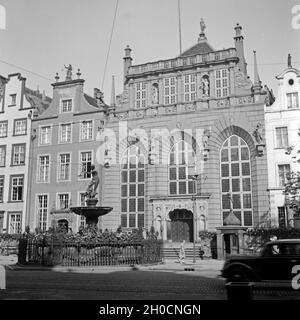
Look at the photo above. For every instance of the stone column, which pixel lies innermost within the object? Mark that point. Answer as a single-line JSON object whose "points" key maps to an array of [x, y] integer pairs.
{"points": [[220, 245]]}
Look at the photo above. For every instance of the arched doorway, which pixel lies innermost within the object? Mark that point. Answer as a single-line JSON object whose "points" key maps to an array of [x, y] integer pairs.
{"points": [[181, 225]]}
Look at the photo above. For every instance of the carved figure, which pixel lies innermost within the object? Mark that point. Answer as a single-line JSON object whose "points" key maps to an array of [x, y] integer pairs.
{"points": [[69, 72], [257, 134], [93, 185]]}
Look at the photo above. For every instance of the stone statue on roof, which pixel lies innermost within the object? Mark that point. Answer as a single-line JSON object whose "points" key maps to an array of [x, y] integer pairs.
{"points": [[69, 72], [202, 25]]}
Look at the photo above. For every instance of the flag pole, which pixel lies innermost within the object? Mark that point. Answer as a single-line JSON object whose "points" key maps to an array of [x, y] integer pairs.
{"points": [[179, 22]]}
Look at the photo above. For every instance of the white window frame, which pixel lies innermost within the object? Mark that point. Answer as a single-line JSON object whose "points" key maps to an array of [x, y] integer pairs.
{"points": [[50, 135], [278, 172], [81, 219], [141, 94], [58, 201], [39, 168], [220, 87], [19, 155], [37, 208], [61, 125], [3, 156], [59, 166], [17, 224], [62, 105], [170, 90], [275, 136], [24, 128], [17, 186], [190, 87], [240, 177], [3, 129], [294, 98], [2, 184], [80, 163], [82, 138]]}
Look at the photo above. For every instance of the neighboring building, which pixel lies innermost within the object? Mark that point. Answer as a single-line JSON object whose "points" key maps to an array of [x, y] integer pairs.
{"points": [[63, 150], [283, 142], [17, 105], [208, 92]]}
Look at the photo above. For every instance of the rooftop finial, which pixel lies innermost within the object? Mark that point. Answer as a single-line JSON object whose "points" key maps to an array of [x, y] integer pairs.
{"points": [[56, 77], [78, 74], [289, 61]]}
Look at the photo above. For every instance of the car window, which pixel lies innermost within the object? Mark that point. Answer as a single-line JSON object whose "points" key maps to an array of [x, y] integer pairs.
{"points": [[276, 250], [291, 249]]}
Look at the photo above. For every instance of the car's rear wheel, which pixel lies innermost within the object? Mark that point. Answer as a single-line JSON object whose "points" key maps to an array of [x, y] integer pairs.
{"points": [[238, 274]]}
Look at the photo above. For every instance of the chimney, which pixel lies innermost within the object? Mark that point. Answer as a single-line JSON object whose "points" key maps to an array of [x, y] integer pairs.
{"points": [[127, 61], [239, 45]]}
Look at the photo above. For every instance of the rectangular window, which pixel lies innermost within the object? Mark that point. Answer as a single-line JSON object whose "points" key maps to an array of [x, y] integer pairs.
{"points": [[82, 203], [65, 132], [43, 168], [170, 90], [140, 95], [42, 211], [282, 137], [66, 106], [1, 221], [63, 201], [86, 130], [18, 154], [281, 217], [2, 156], [284, 172], [17, 187], [3, 129], [45, 135], [292, 100], [20, 127], [222, 83], [14, 223], [13, 99], [64, 166], [1, 188], [86, 164], [189, 88]]}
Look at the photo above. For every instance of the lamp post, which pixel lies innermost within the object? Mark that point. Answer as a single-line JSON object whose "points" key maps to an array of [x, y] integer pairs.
{"points": [[194, 178]]}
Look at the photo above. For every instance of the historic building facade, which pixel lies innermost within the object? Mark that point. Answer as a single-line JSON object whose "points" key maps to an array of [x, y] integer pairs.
{"points": [[282, 137], [17, 106], [63, 151], [184, 146]]}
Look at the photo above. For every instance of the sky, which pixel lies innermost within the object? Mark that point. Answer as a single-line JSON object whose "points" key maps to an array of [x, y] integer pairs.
{"points": [[42, 36]]}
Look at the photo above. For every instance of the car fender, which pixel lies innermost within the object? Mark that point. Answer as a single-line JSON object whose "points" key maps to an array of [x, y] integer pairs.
{"points": [[240, 265]]}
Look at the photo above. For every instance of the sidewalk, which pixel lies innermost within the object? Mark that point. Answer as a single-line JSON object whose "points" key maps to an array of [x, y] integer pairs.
{"points": [[208, 267]]}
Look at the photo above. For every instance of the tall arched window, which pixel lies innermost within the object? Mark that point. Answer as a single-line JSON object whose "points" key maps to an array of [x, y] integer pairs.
{"points": [[133, 188], [236, 180], [181, 167]]}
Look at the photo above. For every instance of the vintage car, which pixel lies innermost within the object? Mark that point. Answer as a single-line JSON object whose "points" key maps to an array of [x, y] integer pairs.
{"points": [[274, 262]]}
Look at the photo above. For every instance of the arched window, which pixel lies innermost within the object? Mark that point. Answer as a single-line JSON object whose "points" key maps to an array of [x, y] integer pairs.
{"points": [[133, 188], [181, 167], [236, 180]]}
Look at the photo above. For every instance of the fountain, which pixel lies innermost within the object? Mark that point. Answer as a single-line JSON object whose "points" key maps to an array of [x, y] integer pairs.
{"points": [[91, 212]]}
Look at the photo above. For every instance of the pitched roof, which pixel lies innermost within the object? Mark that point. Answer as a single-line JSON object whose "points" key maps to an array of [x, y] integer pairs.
{"points": [[199, 48], [37, 101]]}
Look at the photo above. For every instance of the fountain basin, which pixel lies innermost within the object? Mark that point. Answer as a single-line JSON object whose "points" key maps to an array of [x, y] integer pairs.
{"points": [[91, 213]]}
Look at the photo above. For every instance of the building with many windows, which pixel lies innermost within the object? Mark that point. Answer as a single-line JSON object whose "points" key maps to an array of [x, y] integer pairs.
{"points": [[184, 146], [63, 151], [17, 105], [283, 142]]}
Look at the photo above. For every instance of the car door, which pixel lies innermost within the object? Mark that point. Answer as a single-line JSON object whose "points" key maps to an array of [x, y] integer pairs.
{"points": [[271, 265], [291, 252]]}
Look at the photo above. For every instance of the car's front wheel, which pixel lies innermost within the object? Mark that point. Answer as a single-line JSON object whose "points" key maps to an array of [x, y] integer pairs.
{"points": [[238, 274]]}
